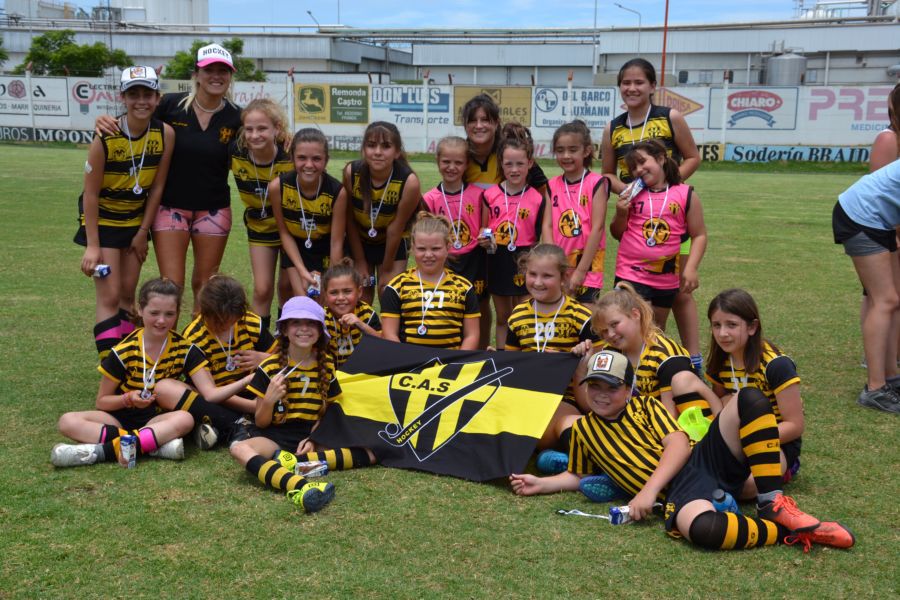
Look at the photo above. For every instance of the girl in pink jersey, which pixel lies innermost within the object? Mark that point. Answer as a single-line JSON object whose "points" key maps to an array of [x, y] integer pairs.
{"points": [[463, 205], [514, 216], [651, 227], [576, 219]]}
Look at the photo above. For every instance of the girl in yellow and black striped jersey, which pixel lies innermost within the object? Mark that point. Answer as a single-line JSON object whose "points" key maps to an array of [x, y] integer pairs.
{"points": [[310, 208], [258, 157], [739, 357], [347, 317], [127, 399], [662, 367], [551, 321], [430, 305], [235, 342], [125, 174], [293, 388], [383, 193]]}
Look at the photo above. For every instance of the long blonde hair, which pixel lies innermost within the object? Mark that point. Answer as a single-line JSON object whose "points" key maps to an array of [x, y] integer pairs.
{"points": [[185, 104]]}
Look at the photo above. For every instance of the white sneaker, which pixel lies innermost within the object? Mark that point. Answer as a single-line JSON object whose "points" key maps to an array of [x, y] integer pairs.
{"points": [[205, 436], [75, 455], [171, 450]]}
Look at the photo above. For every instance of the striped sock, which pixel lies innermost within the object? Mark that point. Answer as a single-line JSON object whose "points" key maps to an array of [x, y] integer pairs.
{"points": [[274, 475], [340, 459], [759, 439], [730, 531]]}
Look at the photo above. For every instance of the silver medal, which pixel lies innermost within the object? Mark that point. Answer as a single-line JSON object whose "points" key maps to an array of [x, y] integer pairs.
{"points": [[422, 330], [145, 394], [651, 242], [576, 231], [263, 214], [137, 189], [373, 232], [457, 245], [511, 247], [308, 243], [229, 365]]}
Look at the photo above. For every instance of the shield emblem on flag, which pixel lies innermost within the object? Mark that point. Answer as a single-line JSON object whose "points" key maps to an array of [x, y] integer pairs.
{"points": [[435, 401]]}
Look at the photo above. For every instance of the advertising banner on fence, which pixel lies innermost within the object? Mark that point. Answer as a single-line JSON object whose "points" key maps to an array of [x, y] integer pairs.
{"points": [[514, 102], [48, 96], [323, 103], [555, 106], [764, 109], [403, 104]]}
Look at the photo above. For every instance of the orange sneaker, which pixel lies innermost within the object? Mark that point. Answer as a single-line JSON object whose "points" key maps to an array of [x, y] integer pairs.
{"points": [[783, 510], [828, 533]]}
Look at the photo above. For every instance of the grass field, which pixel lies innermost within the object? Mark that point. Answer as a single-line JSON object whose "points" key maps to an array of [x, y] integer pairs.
{"points": [[204, 528]]}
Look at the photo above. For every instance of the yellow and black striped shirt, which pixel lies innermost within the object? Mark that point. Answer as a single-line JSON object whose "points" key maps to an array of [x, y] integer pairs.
{"points": [[246, 334], [252, 183], [627, 448], [776, 372], [317, 211], [126, 364], [118, 205], [391, 192], [446, 307], [623, 137], [304, 399], [343, 341]]}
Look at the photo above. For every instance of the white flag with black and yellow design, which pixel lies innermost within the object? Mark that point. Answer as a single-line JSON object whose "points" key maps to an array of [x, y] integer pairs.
{"points": [[471, 414]]}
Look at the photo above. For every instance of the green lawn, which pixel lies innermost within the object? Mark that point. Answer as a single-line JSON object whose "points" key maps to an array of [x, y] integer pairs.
{"points": [[205, 528]]}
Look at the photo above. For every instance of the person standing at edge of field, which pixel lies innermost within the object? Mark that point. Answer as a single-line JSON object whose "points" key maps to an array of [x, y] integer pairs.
{"points": [[885, 150], [124, 177], [196, 203], [644, 120], [864, 220]]}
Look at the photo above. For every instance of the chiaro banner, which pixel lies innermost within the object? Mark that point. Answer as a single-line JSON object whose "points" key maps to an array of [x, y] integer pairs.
{"points": [[471, 414]]}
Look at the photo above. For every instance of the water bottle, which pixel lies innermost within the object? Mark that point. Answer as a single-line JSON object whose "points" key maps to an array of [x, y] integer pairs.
{"points": [[724, 502]]}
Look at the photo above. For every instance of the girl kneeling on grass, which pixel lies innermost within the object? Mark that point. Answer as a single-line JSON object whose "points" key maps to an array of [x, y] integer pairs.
{"points": [[126, 400], [551, 321], [662, 366], [638, 443], [739, 357], [430, 305], [293, 387]]}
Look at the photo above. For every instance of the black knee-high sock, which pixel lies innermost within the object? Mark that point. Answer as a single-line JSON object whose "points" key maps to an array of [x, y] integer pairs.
{"points": [[759, 440], [565, 440], [729, 531], [201, 409], [272, 474], [340, 459], [685, 401], [106, 335]]}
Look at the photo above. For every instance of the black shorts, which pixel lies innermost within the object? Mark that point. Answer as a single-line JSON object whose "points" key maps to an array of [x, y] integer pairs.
{"points": [[287, 436], [844, 228], [504, 278], [314, 261], [587, 295], [110, 237], [656, 297], [135, 418], [374, 253], [711, 466], [472, 266]]}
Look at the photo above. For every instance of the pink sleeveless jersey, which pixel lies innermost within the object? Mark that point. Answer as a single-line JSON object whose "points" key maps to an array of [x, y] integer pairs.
{"points": [[464, 212], [571, 205], [516, 218], [648, 252]]}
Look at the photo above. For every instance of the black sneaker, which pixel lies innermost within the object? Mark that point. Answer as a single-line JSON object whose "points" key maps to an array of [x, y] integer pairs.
{"points": [[884, 398]]}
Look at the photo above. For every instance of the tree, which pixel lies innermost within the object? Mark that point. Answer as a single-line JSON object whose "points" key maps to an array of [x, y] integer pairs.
{"points": [[182, 64], [56, 53], [4, 55]]}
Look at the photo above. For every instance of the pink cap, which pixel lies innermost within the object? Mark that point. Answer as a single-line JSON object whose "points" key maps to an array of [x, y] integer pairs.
{"points": [[302, 307], [214, 53]]}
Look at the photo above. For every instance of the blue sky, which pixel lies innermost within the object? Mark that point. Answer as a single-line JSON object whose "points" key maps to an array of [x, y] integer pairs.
{"points": [[495, 14]]}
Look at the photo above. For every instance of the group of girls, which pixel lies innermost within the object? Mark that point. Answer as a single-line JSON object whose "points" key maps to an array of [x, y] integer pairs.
{"points": [[478, 239]]}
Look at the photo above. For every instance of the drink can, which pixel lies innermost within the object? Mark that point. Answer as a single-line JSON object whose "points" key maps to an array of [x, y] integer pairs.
{"points": [[619, 515], [636, 188], [315, 289], [370, 282], [101, 271], [312, 468], [128, 446]]}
